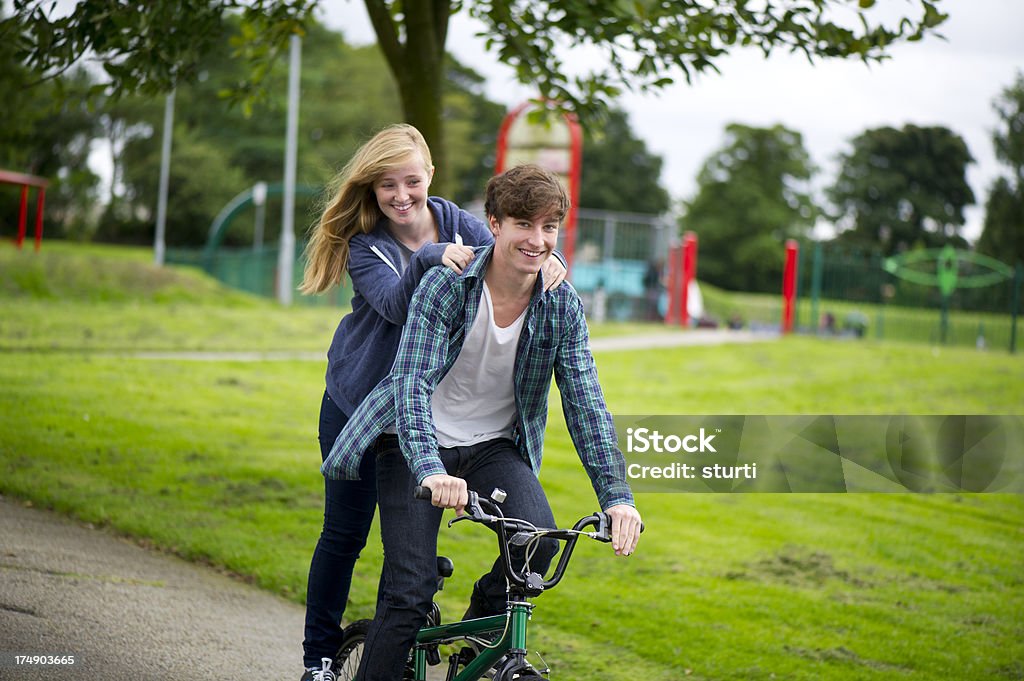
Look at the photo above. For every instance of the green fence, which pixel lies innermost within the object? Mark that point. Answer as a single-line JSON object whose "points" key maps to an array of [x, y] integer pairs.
{"points": [[255, 270], [973, 301]]}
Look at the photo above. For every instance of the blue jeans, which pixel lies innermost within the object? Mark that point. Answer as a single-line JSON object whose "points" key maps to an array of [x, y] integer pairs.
{"points": [[348, 512], [409, 534]]}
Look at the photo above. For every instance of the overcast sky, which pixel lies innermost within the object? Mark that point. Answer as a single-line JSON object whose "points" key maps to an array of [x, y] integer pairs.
{"points": [[934, 82]]}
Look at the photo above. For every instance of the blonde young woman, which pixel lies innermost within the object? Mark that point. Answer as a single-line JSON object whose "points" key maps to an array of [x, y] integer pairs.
{"points": [[383, 228]]}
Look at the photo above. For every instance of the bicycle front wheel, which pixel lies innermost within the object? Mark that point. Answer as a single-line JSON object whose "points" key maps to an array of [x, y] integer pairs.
{"points": [[350, 654], [521, 675]]}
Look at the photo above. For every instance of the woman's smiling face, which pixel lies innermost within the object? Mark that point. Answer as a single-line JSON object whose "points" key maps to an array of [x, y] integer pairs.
{"points": [[402, 192]]}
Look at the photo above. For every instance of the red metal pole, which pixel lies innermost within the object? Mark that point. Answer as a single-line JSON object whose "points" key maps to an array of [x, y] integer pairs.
{"points": [[681, 286], [789, 285], [689, 273], [575, 172], [22, 213], [39, 217]]}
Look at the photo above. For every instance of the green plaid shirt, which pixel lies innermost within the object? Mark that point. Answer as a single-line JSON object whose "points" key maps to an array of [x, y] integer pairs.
{"points": [[554, 339]]}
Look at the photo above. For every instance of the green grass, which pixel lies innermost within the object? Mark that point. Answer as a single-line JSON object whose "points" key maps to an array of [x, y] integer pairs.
{"points": [[70, 297], [217, 461]]}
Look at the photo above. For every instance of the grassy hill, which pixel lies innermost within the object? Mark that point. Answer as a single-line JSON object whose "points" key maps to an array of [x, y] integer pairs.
{"points": [[71, 297], [217, 461]]}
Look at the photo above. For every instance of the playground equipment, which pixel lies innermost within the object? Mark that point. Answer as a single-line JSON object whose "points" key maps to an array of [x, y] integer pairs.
{"points": [[935, 296], [552, 140], [27, 181], [789, 281], [255, 196], [942, 268], [254, 268], [682, 277]]}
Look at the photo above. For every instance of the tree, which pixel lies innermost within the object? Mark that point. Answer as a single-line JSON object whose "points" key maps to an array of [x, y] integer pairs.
{"points": [[344, 101], [48, 136], [645, 44], [906, 188], [619, 173], [752, 195], [1003, 234], [202, 180]]}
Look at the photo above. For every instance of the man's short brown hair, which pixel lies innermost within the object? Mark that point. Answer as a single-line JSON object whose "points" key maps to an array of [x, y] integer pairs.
{"points": [[526, 191]]}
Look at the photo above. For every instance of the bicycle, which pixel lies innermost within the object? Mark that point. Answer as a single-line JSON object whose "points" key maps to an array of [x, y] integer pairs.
{"points": [[491, 647]]}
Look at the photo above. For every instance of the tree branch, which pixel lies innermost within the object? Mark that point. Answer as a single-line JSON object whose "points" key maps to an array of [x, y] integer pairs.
{"points": [[387, 33]]}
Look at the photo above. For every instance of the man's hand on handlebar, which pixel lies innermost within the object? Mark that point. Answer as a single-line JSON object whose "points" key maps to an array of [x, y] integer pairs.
{"points": [[625, 528], [447, 491]]}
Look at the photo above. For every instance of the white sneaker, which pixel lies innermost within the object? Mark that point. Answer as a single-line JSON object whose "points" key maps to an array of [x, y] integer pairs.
{"points": [[322, 674]]}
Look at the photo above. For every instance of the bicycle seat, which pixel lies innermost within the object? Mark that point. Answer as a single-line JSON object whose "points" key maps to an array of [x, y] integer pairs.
{"points": [[445, 567]]}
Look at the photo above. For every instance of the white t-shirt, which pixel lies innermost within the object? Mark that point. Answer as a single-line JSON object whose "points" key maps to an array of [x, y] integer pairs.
{"points": [[475, 401]]}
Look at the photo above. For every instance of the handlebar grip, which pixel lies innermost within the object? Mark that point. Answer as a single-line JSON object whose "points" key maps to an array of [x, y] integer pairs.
{"points": [[422, 492]]}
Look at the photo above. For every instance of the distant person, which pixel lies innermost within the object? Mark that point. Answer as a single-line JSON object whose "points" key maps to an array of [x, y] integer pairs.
{"points": [[654, 287], [382, 228], [468, 400], [828, 323]]}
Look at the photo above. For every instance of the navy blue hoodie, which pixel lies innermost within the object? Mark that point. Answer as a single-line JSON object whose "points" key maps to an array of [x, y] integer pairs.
{"points": [[366, 341]]}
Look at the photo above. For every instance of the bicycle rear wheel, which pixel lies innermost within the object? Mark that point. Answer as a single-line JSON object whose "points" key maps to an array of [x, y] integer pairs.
{"points": [[350, 654]]}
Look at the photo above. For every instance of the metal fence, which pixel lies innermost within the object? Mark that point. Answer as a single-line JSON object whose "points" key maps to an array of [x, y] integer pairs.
{"points": [[841, 291], [853, 292], [613, 254], [613, 258], [255, 270]]}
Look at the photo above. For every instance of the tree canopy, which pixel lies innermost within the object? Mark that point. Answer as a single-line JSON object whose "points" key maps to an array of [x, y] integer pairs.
{"points": [[47, 136], [619, 173], [644, 44], [218, 151], [1003, 234], [903, 188], [753, 193]]}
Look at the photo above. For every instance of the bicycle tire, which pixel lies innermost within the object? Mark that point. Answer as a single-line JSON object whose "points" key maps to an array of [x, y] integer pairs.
{"points": [[527, 676], [346, 661], [521, 675]]}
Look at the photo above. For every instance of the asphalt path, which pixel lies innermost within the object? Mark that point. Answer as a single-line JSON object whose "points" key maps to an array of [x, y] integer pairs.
{"points": [[127, 613], [664, 339]]}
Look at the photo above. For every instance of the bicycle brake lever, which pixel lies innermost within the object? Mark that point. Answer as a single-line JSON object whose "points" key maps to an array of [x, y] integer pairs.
{"points": [[481, 518], [603, 532], [458, 518]]}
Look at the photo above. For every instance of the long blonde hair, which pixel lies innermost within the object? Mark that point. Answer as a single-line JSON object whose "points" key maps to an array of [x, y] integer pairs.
{"points": [[353, 208]]}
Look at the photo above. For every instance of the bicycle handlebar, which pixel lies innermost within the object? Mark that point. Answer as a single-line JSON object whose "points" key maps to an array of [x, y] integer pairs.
{"points": [[483, 510]]}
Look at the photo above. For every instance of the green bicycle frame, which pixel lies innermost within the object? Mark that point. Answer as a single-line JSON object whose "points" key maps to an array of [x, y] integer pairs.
{"points": [[513, 641]]}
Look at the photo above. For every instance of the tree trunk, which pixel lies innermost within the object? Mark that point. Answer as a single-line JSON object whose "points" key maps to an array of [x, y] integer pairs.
{"points": [[421, 80], [418, 68], [421, 107]]}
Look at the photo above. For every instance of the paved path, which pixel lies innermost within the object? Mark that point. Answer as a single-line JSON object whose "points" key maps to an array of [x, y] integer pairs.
{"points": [[665, 339], [127, 613], [674, 339]]}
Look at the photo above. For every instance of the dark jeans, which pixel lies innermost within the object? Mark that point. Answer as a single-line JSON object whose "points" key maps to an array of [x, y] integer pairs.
{"points": [[348, 512], [409, 534]]}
